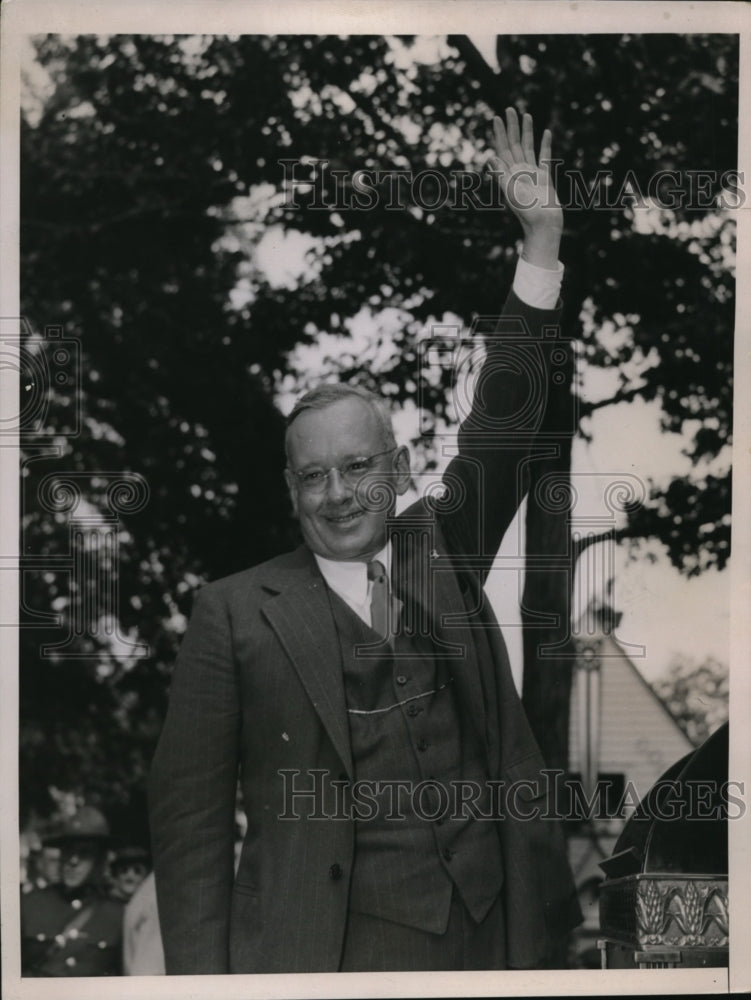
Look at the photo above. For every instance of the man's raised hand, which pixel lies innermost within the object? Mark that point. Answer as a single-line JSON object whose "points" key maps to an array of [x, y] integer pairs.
{"points": [[527, 186]]}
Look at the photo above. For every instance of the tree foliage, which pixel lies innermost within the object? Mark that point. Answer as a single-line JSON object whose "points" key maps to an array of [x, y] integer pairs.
{"points": [[696, 694], [151, 182]]}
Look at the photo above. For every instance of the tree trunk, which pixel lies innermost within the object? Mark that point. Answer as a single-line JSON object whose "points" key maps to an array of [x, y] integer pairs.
{"points": [[546, 610]]}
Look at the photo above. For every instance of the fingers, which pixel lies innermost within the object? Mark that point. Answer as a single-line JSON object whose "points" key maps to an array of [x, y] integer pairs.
{"points": [[502, 145], [512, 126], [514, 148], [498, 170], [512, 129], [546, 148], [528, 146], [525, 182]]}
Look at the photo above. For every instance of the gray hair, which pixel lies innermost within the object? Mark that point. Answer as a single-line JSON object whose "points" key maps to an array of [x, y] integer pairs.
{"points": [[332, 392]]}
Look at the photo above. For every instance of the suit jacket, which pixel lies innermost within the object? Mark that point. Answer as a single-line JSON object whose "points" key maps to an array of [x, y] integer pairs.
{"points": [[258, 686]]}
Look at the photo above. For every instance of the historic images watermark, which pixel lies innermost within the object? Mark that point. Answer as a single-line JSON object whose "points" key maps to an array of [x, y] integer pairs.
{"points": [[316, 794], [318, 184]]}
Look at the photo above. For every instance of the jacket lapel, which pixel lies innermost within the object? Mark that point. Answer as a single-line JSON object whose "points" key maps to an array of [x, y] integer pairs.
{"points": [[426, 582], [452, 627], [424, 579], [299, 612]]}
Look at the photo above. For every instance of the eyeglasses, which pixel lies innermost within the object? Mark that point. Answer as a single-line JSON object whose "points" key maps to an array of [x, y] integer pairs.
{"points": [[125, 867], [315, 480]]}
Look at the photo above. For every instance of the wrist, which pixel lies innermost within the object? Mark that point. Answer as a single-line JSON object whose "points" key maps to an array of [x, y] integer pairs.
{"points": [[542, 245]]}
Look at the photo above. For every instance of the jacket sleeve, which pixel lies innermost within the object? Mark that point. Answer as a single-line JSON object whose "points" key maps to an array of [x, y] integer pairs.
{"points": [[485, 481], [192, 795]]}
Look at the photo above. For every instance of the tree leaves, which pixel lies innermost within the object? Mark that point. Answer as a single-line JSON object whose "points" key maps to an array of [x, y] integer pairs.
{"points": [[131, 174]]}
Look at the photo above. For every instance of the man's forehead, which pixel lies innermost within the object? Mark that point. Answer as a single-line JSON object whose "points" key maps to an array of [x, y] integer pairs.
{"points": [[346, 426]]}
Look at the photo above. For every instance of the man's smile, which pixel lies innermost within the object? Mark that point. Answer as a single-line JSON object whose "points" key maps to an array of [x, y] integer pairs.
{"points": [[344, 518]]}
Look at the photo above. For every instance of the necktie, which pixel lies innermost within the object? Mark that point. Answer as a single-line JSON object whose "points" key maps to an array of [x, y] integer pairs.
{"points": [[379, 598]]}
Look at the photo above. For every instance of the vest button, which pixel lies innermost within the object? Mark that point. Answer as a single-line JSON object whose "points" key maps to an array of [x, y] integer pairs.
{"points": [[335, 872], [447, 854], [422, 745], [413, 710], [401, 679]]}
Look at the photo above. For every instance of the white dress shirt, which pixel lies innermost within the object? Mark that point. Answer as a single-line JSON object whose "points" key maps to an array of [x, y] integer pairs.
{"points": [[350, 580]]}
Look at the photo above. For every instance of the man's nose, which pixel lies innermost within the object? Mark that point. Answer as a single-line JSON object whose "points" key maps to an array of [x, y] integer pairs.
{"points": [[337, 489]]}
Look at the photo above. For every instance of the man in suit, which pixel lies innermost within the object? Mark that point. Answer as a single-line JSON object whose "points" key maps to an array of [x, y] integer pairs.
{"points": [[359, 685]]}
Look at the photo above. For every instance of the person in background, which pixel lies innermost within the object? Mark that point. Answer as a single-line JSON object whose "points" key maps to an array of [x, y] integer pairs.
{"points": [[42, 867], [129, 867], [48, 866], [143, 954], [73, 928]]}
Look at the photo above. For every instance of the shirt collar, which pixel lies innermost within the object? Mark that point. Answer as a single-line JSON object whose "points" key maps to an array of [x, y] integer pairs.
{"points": [[352, 577]]}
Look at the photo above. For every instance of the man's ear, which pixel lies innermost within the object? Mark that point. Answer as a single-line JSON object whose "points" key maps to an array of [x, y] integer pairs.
{"points": [[404, 474], [292, 487]]}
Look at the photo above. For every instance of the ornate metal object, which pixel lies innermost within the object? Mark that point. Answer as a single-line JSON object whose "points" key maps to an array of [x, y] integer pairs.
{"points": [[653, 911]]}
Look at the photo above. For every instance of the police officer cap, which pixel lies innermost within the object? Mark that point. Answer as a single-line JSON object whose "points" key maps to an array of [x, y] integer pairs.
{"points": [[87, 824], [131, 852]]}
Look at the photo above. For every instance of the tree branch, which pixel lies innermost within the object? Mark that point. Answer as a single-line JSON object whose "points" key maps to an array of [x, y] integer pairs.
{"points": [[485, 76], [623, 396], [580, 545]]}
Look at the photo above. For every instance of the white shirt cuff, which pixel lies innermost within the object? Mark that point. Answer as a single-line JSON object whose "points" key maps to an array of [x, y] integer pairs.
{"points": [[536, 286]]}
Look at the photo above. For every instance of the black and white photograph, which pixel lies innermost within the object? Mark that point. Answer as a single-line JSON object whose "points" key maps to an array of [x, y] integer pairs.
{"points": [[375, 499]]}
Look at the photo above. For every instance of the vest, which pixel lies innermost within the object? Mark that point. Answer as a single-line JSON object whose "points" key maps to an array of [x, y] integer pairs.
{"points": [[414, 844]]}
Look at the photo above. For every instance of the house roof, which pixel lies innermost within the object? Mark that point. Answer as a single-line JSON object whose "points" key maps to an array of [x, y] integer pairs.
{"points": [[637, 735]]}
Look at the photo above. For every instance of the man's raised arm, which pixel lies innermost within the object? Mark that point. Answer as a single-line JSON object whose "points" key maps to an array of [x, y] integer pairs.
{"points": [[496, 437]]}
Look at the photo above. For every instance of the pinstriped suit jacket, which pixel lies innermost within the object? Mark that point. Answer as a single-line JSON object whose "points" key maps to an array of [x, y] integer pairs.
{"points": [[258, 687]]}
